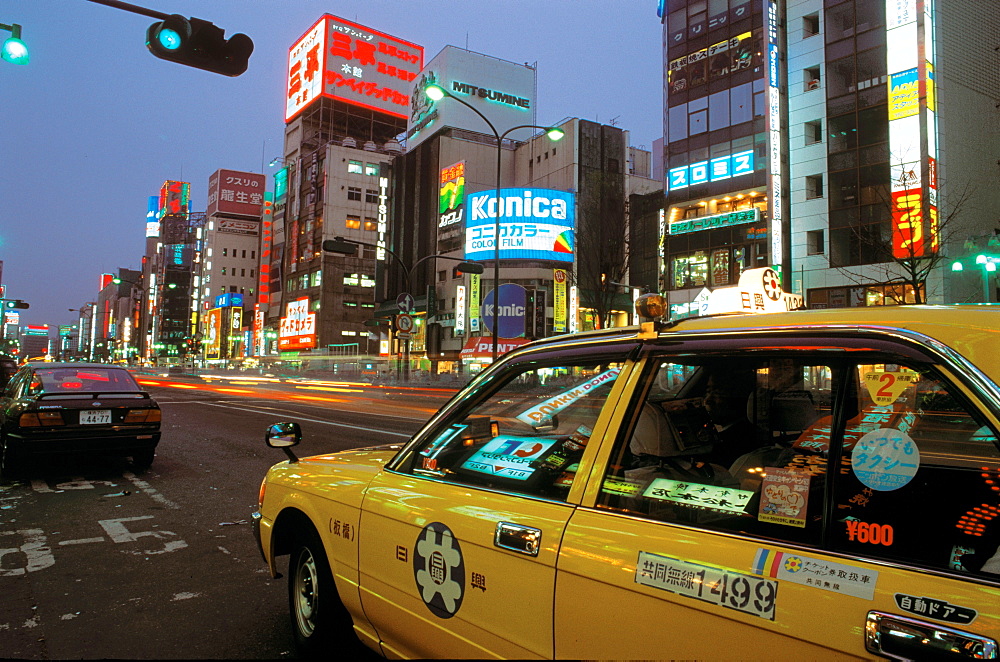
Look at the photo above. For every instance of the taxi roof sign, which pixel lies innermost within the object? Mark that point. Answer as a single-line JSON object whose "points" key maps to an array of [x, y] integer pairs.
{"points": [[759, 291]]}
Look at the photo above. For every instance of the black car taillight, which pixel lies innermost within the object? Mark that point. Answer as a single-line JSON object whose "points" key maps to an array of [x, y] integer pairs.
{"points": [[142, 416], [40, 418]]}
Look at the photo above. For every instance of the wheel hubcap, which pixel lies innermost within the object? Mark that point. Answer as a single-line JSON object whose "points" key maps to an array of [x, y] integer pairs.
{"points": [[306, 593]]}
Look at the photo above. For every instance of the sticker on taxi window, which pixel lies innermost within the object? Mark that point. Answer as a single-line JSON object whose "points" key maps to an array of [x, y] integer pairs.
{"points": [[439, 570], [557, 403], [885, 459], [508, 457], [726, 588], [808, 571], [784, 496], [940, 610], [695, 495], [886, 387], [621, 486]]}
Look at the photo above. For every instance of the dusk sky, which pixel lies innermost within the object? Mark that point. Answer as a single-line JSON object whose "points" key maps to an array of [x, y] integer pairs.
{"points": [[95, 123]]}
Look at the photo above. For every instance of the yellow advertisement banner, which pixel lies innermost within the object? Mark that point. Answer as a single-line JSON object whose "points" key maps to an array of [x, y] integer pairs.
{"points": [[559, 278], [904, 94], [474, 302]]}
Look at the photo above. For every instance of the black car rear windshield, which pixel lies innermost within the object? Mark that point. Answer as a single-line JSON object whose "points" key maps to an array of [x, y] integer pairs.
{"points": [[69, 380]]}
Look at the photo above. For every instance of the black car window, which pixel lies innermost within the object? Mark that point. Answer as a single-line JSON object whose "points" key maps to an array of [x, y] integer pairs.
{"points": [[919, 476], [85, 379], [713, 442], [525, 431]]}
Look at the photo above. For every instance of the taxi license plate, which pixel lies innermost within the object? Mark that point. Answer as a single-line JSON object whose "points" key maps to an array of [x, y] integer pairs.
{"points": [[95, 416]]}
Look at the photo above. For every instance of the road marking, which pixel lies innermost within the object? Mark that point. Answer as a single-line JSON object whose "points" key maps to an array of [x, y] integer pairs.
{"points": [[36, 552], [150, 491], [311, 420], [81, 541]]}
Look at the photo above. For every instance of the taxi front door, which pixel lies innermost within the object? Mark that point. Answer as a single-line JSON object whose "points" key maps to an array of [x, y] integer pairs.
{"points": [[450, 571]]}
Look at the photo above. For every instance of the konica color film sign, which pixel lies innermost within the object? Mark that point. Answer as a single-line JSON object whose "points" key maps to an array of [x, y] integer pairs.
{"points": [[343, 60], [535, 224]]}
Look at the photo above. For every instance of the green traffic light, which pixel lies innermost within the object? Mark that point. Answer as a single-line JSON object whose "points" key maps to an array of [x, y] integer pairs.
{"points": [[14, 50], [169, 39]]}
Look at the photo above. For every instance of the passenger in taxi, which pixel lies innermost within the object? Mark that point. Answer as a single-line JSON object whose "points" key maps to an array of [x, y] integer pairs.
{"points": [[727, 393]]}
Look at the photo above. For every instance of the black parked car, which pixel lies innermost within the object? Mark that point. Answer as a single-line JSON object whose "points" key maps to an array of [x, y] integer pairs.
{"points": [[51, 408]]}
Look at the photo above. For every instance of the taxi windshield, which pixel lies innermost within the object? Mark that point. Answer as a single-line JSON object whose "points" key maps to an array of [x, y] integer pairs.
{"points": [[69, 380]]}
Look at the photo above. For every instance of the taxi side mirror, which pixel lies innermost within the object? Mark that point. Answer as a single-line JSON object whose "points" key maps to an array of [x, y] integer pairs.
{"points": [[284, 436]]}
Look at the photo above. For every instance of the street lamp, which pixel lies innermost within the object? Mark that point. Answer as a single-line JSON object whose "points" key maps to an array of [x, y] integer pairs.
{"points": [[436, 93], [989, 265]]}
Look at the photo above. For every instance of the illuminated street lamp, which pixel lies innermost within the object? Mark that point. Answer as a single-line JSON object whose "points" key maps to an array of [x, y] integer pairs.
{"points": [[988, 264], [436, 93]]}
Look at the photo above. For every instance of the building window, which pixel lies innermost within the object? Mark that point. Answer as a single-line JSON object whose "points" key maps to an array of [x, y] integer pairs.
{"points": [[370, 224], [811, 78], [243, 273], [367, 305], [244, 254], [354, 193], [223, 271], [815, 242], [350, 304], [371, 169], [252, 274], [814, 132], [814, 186], [442, 275], [253, 255], [225, 252], [371, 197], [810, 25], [353, 222], [354, 166], [316, 278]]}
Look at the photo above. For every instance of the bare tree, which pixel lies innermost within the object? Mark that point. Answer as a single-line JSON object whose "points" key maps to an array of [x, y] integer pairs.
{"points": [[907, 252], [602, 246]]}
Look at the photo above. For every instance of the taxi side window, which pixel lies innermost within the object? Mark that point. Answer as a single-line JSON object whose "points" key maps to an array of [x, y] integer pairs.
{"points": [[526, 434], [919, 473], [727, 444]]}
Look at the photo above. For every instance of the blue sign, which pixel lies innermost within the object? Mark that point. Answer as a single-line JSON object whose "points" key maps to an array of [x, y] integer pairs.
{"points": [[719, 168], [229, 300], [535, 224], [513, 307], [699, 172], [678, 178]]}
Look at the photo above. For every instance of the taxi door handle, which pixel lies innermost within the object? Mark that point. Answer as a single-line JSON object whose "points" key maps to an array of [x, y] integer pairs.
{"points": [[523, 539], [902, 638]]}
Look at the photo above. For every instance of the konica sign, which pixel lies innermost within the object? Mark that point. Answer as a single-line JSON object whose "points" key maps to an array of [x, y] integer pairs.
{"points": [[535, 224], [513, 306]]}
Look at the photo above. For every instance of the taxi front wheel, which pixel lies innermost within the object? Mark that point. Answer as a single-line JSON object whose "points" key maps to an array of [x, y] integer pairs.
{"points": [[318, 617]]}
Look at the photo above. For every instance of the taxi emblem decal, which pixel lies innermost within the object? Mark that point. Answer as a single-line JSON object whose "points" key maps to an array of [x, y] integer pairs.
{"points": [[439, 570]]}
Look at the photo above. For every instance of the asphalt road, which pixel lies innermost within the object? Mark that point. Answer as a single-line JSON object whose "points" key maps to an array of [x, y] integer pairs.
{"points": [[99, 562]]}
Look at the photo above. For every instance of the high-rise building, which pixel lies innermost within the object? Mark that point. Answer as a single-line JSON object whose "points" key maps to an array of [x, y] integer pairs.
{"points": [[848, 143]]}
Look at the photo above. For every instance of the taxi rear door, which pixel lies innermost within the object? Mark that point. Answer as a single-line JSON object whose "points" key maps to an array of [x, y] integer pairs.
{"points": [[894, 554]]}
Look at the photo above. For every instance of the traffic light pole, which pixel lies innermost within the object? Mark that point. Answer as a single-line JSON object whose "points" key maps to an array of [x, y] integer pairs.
{"points": [[135, 9]]}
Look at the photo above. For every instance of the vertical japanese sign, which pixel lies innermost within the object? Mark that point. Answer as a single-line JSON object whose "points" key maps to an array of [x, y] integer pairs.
{"points": [[460, 310], [559, 304], [474, 302], [774, 133], [574, 308], [383, 217], [174, 198], [213, 325], [340, 59], [912, 126], [452, 195]]}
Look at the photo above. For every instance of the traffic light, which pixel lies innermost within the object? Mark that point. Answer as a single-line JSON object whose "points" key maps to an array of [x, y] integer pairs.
{"points": [[15, 303], [200, 44], [340, 245], [466, 268]]}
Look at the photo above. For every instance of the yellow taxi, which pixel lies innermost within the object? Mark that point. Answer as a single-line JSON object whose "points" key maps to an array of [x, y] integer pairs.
{"points": [[793, 485]]}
